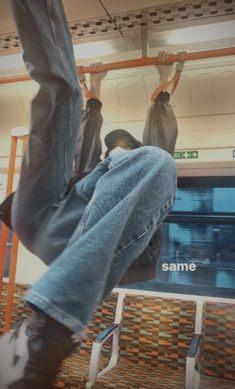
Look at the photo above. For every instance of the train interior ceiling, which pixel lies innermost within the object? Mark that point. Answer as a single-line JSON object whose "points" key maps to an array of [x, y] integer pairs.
{"points": [[201, 226], [176, 329]]}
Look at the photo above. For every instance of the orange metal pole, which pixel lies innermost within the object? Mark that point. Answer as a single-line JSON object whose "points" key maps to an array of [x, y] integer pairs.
{"points": [[13, 265], [147, 61], [143, 61], [4, 234], [20, 77]]}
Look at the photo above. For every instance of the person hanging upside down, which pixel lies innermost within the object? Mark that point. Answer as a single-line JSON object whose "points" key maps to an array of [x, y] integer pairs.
{"points": [[88, 232]]}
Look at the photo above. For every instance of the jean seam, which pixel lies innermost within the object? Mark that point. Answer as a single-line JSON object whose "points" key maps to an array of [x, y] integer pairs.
{"points": [[86, 212], [82, 223], [153, 221], [133, 241], [51, 19]]}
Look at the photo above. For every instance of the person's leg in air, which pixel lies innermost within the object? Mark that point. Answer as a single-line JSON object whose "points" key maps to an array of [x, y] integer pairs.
{"points": [[161, 128], [110, 215], [47, 167], [88, 148]]}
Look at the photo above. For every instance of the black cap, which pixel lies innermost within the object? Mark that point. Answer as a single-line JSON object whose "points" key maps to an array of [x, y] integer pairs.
{"points": [[115, 134]]}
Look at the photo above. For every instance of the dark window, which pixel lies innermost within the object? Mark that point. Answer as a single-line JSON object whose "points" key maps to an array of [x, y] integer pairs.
{"points": [[199, 233], [200, 230]]}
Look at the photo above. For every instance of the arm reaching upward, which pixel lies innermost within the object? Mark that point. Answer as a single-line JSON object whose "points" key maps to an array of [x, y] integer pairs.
{"points": [[161, 126], [88, 144], [168, 80]]}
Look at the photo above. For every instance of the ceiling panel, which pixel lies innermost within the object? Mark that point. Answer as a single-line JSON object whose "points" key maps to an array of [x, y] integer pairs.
{"points": [[80, 9], [125, 5], [94, 33], [6, 21], [74, 9]]}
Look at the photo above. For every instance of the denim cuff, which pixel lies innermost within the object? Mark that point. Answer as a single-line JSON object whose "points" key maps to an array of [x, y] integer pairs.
{"points": [[94, 104]]}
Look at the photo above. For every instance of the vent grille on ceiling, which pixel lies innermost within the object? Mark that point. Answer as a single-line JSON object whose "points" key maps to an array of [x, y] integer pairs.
{"points": [[130, 21], [153, 17]]}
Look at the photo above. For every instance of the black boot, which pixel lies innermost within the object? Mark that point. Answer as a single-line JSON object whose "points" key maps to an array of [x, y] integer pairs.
{"points": [[32, 353]]}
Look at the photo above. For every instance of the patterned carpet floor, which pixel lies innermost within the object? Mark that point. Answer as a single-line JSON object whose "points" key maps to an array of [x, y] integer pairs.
{"points": [[132, 370]]}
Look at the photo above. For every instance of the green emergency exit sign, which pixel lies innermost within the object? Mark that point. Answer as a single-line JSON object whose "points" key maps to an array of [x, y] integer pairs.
{"points": [[190, 154]]}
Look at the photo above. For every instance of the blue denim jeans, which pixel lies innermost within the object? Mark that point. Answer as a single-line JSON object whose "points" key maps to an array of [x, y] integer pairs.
{"points": [[90, 236]]}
